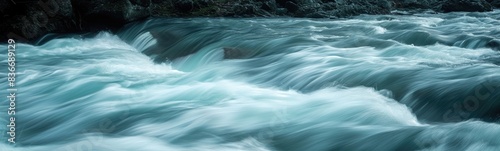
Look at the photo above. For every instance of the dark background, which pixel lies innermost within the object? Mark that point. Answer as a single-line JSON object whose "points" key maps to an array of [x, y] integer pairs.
{"points": [[28, 20]]}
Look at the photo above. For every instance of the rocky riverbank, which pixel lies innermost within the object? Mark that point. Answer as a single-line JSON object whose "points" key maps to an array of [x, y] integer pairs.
{"points": [[27, 20]]}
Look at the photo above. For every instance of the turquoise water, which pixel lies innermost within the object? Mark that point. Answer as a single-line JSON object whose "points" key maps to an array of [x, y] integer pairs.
{"points": [[372, 82]]}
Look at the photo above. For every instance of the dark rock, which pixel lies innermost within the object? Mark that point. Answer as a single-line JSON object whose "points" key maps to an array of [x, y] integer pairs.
{"points": [[269, 6], [495, 3], [32, 19], [191, 8], [329, 6], [184, 5], [235, 53], [5, 7], [416, 4], [245, 10], [328, 1], [203, 3], [308, 11], [466, 6], [281, 11], [357, 7], [306, 2], [143, 3], [291, 6], [110, 13], [494, 44], [281, 2], [157, 1], [318, 15], [27, 19]]}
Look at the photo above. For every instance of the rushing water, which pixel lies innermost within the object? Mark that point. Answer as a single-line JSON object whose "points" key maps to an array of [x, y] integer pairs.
{"points": [[383, 82]]}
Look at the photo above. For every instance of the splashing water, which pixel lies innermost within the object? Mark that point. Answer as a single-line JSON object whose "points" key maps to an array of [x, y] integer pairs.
{"points": [[372, 82]]}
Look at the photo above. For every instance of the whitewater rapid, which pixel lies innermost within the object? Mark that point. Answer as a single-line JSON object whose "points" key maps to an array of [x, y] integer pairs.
{"points": [[372, 82]]}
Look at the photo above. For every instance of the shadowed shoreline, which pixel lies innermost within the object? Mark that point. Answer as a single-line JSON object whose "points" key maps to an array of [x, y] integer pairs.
{"points": [[28, 20]]}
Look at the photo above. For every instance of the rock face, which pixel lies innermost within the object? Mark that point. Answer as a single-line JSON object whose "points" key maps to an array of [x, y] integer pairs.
{"points": [[356, 7], [417, 4], [29, 19], [466, 5], [495, 3], [32, 19], [494, 44], [112, 13], [235, 53]]}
